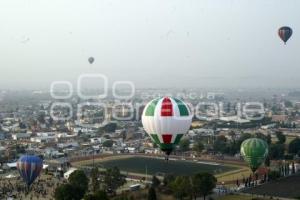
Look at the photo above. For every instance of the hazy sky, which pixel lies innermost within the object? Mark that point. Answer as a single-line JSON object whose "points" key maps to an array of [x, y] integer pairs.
{"points": [[154, 43]]}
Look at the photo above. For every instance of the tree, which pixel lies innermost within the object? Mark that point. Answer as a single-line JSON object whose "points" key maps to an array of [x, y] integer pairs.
{"points": [[155, 182], [66, 192], [198, 146], [276, 151], [273, 175], [79, 181], [89, 197], [111, 127], [266, 138], [41, 117], [168, 179], [184, 144], [108, 143], [113, 179], [288, 104], [22, 125], [99, 195], [95, 179], [151, 194], [181, 187], [267, 161], [281, 138], [220, 144], [294, 146], [203, 184]]}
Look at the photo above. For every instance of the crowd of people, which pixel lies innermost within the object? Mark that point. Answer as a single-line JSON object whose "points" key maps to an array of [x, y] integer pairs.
{"points": [[16, 189]]}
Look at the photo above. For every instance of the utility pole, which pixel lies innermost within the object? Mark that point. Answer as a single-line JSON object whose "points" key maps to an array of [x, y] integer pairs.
{"points": [[93, 158], [146, 174]]}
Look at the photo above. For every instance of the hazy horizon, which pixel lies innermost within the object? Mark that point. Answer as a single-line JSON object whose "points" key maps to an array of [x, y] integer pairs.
{"points": [[154, 44]]}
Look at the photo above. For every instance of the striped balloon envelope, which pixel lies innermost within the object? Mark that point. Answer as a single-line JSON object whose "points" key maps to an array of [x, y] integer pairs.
{"points": [[254, 152], [166, 120], [29, 167]]}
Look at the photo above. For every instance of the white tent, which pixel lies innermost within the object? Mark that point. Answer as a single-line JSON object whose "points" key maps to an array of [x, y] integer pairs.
{"points": [[69, 172], [10, 176]]}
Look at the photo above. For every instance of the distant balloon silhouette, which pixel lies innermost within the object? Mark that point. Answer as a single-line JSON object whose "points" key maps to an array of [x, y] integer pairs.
{"points": [[285, 33], [91, 60], [29, 167]]}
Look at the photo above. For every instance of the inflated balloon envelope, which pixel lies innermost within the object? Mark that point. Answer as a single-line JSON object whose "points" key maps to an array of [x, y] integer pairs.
{"points": [[29, 167], [166, 120], [254, 152]]}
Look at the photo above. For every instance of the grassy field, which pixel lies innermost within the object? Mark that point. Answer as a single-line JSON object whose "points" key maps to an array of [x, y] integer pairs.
{"points": [[289, 139], [227, 172], [142, 165], [234, 174]]}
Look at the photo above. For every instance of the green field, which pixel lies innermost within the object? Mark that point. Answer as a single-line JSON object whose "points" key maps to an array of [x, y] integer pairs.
{"points": [[153, 166]]}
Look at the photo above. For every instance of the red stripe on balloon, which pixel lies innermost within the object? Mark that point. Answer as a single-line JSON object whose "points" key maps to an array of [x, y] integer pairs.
{"points": [[166, 108], [167, 138]]}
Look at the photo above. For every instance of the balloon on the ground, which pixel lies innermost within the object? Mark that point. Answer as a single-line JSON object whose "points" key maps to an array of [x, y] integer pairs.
{"points": [[254, 152], [29, 167], [166, 120], [285, 33], [91, 60]]}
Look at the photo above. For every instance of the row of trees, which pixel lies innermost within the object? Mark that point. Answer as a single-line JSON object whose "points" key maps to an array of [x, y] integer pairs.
{"points": [[276, 150], [198, 185], [80, 187]]}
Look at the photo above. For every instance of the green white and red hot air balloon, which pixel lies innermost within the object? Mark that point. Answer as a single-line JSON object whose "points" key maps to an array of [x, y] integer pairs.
{"points": [[166, 120]]}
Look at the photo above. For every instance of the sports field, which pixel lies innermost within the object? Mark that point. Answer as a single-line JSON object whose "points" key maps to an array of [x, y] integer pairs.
{"points": [[143, 165]]}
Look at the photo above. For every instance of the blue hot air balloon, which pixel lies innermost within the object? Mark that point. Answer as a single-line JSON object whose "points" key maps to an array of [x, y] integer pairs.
{"points": [[29, 167], [285, 33]]}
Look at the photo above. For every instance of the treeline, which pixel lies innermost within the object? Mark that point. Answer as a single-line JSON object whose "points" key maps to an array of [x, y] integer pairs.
{"points": [[277, 150], [103, 186]]}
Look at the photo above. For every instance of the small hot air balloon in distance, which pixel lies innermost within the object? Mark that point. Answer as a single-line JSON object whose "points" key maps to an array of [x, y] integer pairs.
{"points": [[166, 120], [91, 60], [254, 152], [285, 33], [29, 167]]}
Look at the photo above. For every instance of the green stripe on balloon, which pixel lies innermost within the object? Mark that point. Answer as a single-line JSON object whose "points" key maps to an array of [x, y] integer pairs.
{"points": [[155, 138], [182, 108], [151, 108], [166, 147], [177, 139], [162, 146]]}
